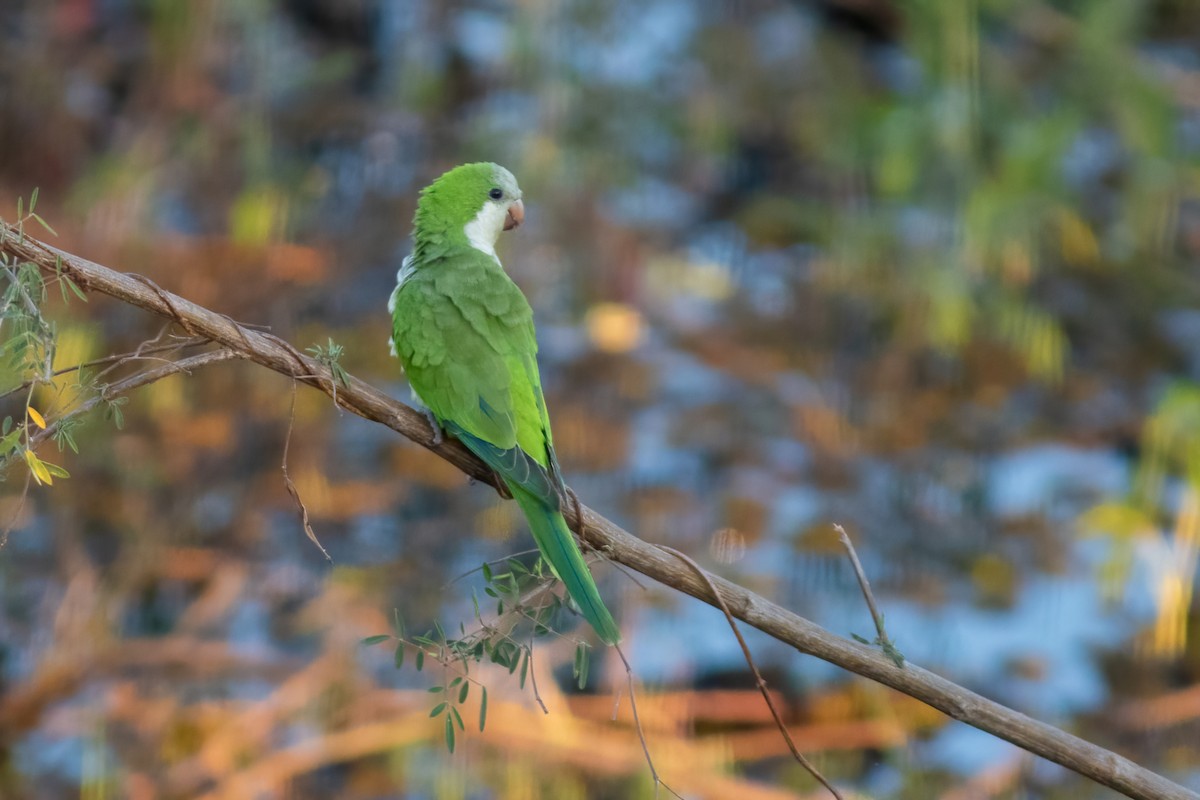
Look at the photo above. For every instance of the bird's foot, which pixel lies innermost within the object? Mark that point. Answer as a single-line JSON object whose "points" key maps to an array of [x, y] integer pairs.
{"points": [[580, 525], [501, 487], [438, 436]]}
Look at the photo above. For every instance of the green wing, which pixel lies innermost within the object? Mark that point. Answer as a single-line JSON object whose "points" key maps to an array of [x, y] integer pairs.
{"points": [[465, 335]]}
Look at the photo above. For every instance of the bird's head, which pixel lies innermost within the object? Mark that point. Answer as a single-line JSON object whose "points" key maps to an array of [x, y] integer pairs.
{"points": [[480, 199]]}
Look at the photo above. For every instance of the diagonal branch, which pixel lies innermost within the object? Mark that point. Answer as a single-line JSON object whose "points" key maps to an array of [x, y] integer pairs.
{"points": [[1102, 766]]}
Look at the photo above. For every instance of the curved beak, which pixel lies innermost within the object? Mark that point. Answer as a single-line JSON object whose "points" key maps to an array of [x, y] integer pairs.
{"points": [[516, 215]]}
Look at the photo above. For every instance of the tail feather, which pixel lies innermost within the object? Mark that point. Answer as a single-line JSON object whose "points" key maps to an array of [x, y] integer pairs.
{"points": [[558, 547]]}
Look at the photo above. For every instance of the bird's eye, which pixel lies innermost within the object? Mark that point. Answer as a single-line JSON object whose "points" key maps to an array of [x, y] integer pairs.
{"points": [[496, 194]]}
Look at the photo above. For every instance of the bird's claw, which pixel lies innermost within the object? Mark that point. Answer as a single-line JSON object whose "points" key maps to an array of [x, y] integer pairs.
{"points": [[497, 483], [580, 525], [438, 436]]}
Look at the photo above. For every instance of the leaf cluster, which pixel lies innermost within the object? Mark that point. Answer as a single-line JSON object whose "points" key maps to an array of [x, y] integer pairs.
{"points": [[523, 601], [28, 344]]}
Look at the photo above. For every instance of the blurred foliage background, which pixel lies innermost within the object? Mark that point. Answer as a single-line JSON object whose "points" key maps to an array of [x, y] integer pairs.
{"points": [[927, 269]]}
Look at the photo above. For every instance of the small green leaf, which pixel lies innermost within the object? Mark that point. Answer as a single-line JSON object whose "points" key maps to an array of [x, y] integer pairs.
{"points": [[38, 468], [439, 708], [524, 668], [462, 694], [508, 657], [890, 650], [505, 654], [10, 442], [398, 656], [420, 659], [436, 689], [74, 287], [449, 734], [43, 223], [858, 638], [374, 640], [56, 470], [581, 664], [342, 377], [6, 427], [483, 709], [457, 718], [487, 572], [455, 682]]}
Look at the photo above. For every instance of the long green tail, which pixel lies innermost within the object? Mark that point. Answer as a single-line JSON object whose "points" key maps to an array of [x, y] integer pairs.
{"points": [[558, 547]]}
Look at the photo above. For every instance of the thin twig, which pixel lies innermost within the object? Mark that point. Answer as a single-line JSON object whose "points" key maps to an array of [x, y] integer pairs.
{"points": [[885, 644], [137, 381], [470, 572], [621, 568], [758, 678], [148, 348], [113, 359], [291, 487], [637, 724], [581, 523], [165, 297], [533, 681], [12, 522]]}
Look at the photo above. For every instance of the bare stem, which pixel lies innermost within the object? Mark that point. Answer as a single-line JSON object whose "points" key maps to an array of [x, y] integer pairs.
{"points": [[533, 682], [758, 678], [885, 644], [119, 358], [112, 391], [291, 487], [637, 724]]}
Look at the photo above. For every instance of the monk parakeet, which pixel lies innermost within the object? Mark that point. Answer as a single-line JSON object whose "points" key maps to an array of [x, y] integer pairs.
{"points": [[464, 333]]}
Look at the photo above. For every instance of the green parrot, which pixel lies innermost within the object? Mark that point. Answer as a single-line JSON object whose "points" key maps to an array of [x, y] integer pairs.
{"points": [[464, 334]]}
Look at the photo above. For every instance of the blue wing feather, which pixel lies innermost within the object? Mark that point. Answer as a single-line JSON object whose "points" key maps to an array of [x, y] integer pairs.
{"points": [[513, 463]]}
